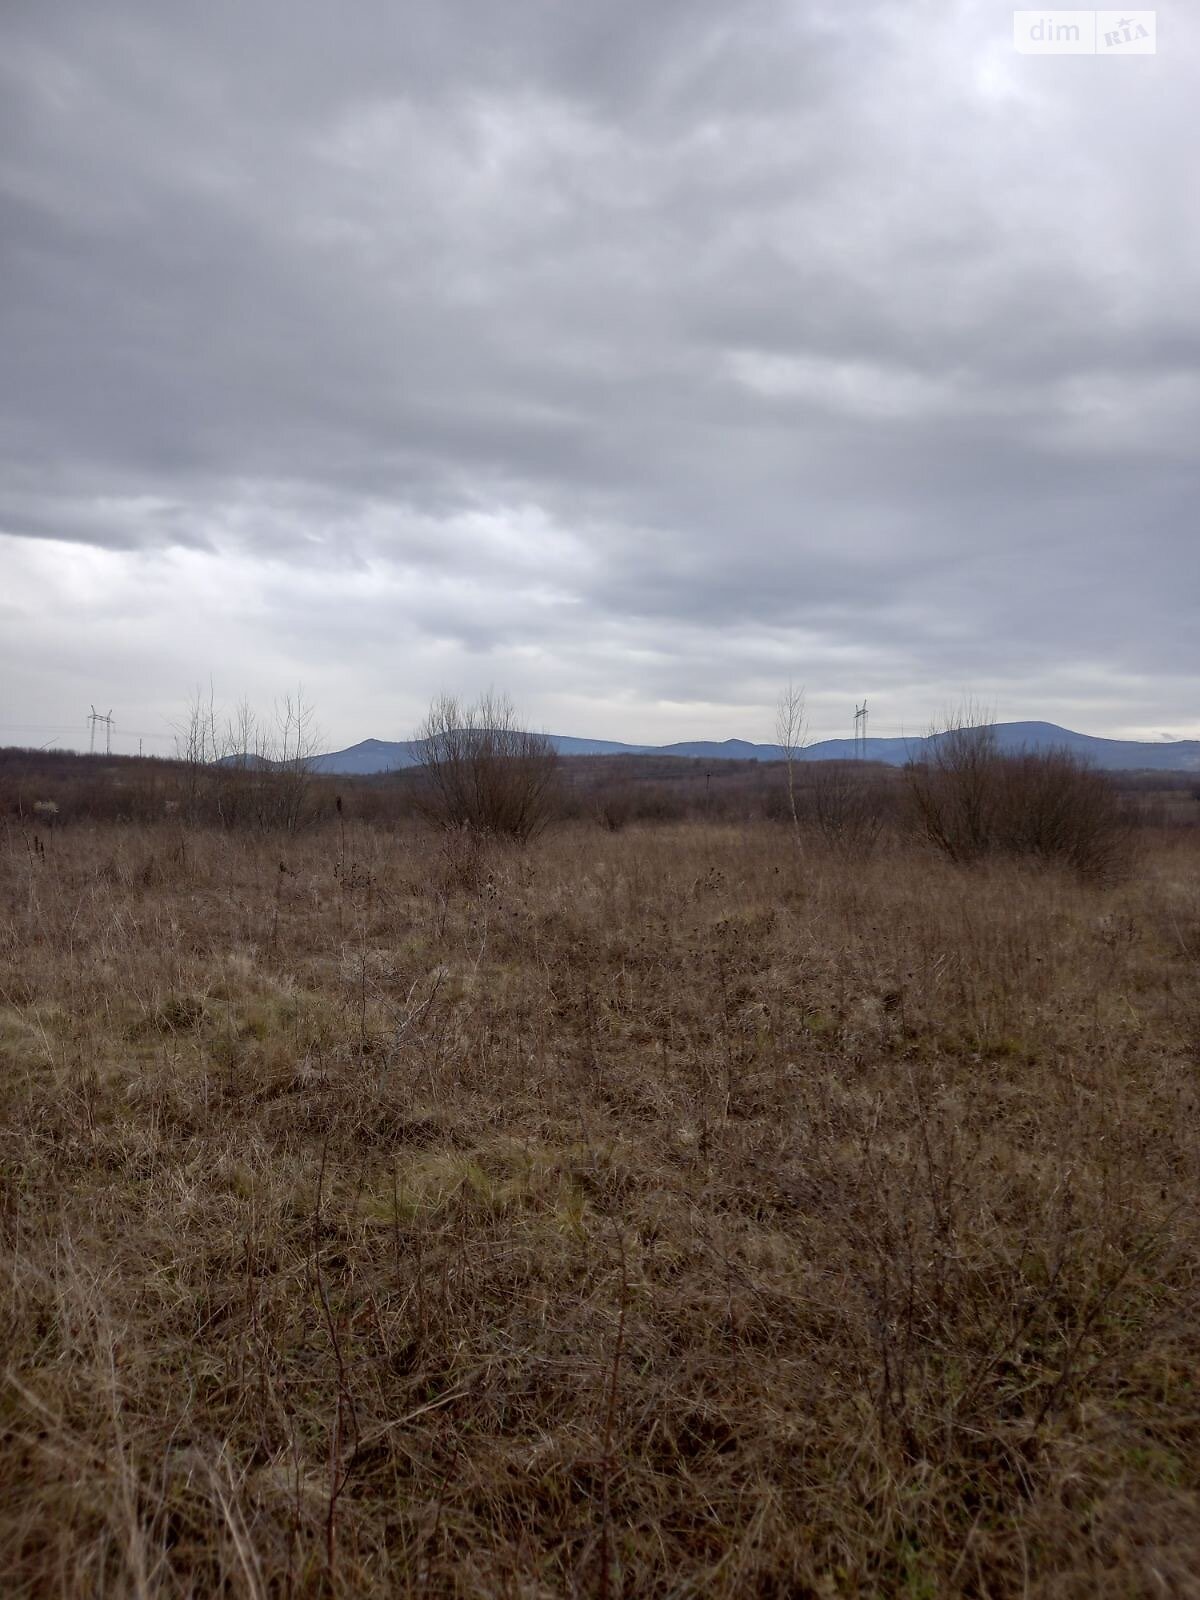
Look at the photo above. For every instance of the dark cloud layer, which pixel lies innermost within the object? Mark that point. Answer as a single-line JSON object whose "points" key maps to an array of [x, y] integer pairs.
{"points": [[634, 357]]}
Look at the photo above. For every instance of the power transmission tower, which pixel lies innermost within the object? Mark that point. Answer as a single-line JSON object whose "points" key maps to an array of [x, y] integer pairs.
{"points": [[860, 738], [96, 717]]}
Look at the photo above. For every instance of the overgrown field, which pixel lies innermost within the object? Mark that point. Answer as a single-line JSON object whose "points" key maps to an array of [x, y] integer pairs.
{"points": [[668, 1212]]}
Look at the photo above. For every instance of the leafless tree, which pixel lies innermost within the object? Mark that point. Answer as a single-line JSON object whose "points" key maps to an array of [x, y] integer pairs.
{"points": [[199, 747], [791, 735], [483, 770], [286, 751], [244, 769]]}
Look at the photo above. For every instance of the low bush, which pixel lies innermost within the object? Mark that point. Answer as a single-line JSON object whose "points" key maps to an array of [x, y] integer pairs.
{"points": [[970, 801]]}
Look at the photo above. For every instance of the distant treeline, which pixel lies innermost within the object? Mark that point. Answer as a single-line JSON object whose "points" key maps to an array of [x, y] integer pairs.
{"points": [[56, 788]]}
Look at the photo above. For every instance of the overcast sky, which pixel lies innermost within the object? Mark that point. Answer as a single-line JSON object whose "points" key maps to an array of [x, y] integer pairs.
{"points": [[630, 357]]}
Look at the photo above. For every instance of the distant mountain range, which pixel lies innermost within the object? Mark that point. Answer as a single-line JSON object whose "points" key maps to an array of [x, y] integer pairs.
{"points": [[1113, 755]]}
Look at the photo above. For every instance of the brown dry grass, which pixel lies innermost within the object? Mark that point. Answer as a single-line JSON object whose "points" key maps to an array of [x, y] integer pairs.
{"points": [[662, 1213]]}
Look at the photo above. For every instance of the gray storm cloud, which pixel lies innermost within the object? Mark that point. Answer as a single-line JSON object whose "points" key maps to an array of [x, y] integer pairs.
{"points": [[629, 357]]}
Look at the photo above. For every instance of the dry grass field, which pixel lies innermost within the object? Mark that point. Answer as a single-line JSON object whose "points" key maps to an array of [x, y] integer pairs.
{"points": [[666, 1212]]}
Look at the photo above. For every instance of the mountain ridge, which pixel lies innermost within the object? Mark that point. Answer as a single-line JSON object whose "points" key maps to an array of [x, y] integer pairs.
{"points": [[372, 756]]}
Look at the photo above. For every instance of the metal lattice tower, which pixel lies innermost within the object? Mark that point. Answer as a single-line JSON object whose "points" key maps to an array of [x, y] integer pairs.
{"points": [[94, 718], [860, 731]]}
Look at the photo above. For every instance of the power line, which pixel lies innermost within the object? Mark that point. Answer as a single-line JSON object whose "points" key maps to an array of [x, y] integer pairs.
{"points": [[71, 727]]}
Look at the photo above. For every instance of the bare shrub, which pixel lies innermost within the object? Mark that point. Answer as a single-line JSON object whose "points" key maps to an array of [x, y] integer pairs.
{"points": [[849, 806], [461, 863], [614, 808], [953, 790], [970, 800], [483, 770], [1053, 806]]}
